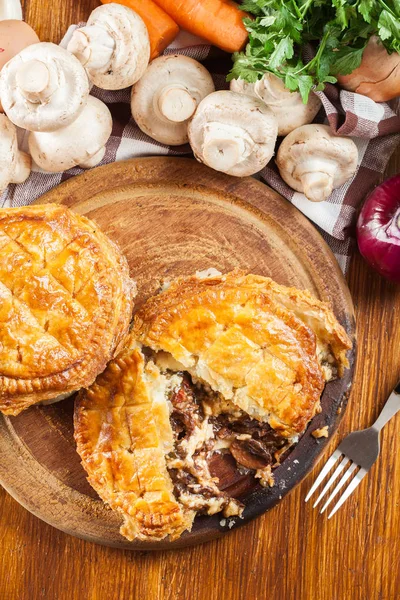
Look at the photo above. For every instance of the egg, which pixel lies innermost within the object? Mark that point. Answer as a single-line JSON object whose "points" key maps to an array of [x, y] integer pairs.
{"points": [[14, 37]]}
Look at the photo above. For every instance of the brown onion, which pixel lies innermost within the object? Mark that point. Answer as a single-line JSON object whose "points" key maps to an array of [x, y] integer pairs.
{"points": [[378, 76]]}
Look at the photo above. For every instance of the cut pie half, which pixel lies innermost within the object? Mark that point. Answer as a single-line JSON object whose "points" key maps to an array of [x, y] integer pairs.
{"points": [[227, 365], [66, 302]]}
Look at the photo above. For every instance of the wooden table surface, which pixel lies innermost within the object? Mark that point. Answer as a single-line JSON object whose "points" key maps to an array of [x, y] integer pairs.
{"points": [[292, 553]]}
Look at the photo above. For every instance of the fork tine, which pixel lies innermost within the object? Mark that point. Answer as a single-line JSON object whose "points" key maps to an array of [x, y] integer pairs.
{"points": [[335, 456], [332, 479], [339, 486], [350, 489]]}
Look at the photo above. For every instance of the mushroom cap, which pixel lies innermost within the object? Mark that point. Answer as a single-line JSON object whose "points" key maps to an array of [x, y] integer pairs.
{"points": [[287, 106], [43, 87], [314, 161], [233, 133], [15, 166], [167, 96], [75, 144], [114, 46], [8, 150]]}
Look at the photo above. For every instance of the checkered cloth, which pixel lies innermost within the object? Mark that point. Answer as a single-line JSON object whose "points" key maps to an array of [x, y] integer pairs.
{"points": [[375, 128]]}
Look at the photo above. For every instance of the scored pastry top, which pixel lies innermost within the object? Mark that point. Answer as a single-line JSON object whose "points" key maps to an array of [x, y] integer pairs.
{"points": [[123, 434], [66, 301]]}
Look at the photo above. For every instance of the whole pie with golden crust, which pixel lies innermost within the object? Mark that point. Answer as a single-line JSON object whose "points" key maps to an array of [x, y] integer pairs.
{"points": [[228, 364], [66, 301]]}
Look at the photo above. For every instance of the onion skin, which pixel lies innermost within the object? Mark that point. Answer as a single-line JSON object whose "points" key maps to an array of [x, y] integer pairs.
{"points": [[378, 75], [378, 229]]}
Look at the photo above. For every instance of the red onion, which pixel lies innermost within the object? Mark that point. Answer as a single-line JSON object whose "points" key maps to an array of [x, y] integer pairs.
{"points": [[378, 229]]}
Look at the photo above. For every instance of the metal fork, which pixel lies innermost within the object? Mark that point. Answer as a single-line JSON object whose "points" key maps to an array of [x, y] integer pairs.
{"points": [[358, 452]]}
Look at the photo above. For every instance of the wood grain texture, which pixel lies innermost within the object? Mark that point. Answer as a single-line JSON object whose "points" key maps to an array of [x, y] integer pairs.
{"points": [[291, 553], [171, 217]]}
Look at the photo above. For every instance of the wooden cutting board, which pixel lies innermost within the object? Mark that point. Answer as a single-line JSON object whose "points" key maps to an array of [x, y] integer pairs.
{"points": [[171, 217]]}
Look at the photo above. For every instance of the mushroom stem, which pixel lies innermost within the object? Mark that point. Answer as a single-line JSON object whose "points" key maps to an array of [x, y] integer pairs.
{"points": [[94, 160], [93, 47], [176, 104], [34, 81], [318, 186], [317, 178], [225, 146], [22, 167]]}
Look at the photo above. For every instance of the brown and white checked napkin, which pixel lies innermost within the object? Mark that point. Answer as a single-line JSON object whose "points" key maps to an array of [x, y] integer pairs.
{"points": [[375, 128]]}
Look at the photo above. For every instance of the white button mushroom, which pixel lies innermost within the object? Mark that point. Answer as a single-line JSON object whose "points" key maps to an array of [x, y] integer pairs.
{"points": [[233, 133], [15, 166], [81, 143], [43, 88], [287, 106], [314, 161], [167, 96], [113, 47]]}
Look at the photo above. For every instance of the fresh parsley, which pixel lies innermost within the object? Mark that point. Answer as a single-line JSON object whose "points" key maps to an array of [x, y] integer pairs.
{"points": [[307, 43]]}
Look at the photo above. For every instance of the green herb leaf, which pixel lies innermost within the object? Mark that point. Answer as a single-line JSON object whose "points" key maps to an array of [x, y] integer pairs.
{"points": [[388, 26], [282, 51], [396, 7], [252, 6], [346, 60], [267, 21], [330, 79], [291, 82], [242, 69], [305, 83], [307, 43]]}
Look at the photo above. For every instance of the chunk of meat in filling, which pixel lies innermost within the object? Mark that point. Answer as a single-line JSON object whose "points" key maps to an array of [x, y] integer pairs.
{"points": [[254, 446]]}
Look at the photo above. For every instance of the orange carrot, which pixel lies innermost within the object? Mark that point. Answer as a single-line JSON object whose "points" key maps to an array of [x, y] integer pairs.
{"points": [[217, 21], [162, 29]]}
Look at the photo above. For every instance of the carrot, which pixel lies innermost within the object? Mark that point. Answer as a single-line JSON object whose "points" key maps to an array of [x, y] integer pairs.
{"points": [[218, 21], [162, 29]]}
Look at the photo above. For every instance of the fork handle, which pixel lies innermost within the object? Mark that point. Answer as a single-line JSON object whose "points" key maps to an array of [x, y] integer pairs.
{"points": [[391, 407]]}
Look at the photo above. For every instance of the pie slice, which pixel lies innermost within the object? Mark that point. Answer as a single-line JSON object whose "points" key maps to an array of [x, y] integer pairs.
{"points": [[123, 434]]}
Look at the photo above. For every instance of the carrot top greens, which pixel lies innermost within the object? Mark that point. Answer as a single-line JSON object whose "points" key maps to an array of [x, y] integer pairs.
{"points": [[308, 42]]}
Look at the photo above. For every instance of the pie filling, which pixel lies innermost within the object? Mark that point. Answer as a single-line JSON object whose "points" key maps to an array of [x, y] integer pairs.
{"points": [[205, 426]]}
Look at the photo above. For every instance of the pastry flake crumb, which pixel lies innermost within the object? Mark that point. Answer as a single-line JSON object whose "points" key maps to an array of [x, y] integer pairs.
{"points": [[208, 273], [321, 432], [265, 476]]}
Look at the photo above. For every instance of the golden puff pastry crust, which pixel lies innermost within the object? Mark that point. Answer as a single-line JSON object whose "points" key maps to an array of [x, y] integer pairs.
{"points": [[66, 301], [123, 435], [267, 348]]}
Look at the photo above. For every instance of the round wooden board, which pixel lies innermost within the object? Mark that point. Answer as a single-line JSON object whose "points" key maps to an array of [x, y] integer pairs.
{"points": [[171, 217]]}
